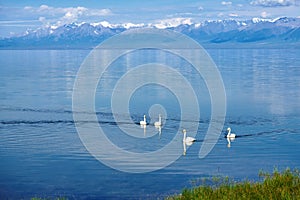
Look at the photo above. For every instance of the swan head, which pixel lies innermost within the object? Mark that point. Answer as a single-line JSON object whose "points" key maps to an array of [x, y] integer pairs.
{"points": [[183, 131], [228, 129]]}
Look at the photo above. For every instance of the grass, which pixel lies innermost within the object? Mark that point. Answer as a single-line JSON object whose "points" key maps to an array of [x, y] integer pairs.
{"points": [[277, 185]]}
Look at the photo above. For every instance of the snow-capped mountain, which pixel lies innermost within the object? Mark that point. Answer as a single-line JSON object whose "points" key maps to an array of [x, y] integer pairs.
{"points": [[281, 29], [87, 35]]}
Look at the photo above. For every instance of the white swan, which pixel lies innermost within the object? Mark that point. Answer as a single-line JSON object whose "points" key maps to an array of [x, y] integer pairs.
{"points": [[143, 122], [229, 134], [188, 140], [156, 124]]}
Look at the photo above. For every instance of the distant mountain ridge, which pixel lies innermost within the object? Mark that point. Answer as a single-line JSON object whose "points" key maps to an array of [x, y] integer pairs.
{"points": [[88, 35]]}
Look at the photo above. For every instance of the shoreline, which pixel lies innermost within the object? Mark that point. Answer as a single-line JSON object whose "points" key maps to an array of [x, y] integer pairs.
{"points": [[275, 185]]}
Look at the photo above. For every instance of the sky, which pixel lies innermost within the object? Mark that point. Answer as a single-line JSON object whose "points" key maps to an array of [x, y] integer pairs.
{"points": [[18, 16]]}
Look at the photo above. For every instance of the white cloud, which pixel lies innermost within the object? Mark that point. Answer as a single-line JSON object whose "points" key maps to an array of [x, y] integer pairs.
{"points": [[131, 25], [47, 14], [103, 23], [226, 3], [233, 15], [101, 12], [72, 14], [200, 8], [75, 11], [125, 25], [273, 3], [173, 22], [42, 19], [264, 14], [220, 14], [43, 8], [27, 8]]}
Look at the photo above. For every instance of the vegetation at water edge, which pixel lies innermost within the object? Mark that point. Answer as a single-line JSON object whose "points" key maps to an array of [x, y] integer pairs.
{"points": [[276, 185]]}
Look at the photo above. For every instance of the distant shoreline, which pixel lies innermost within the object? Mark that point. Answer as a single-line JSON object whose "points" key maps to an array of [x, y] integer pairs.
{"points": [[205, 45]]}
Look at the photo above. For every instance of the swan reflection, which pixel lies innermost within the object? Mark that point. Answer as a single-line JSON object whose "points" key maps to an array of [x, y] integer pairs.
{"points": [[184, 148], [229, 140], [144, 127], [158, 127]]}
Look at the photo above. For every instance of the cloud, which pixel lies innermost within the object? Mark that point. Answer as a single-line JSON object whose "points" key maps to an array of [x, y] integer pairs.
{"points": [[233, 15], [17, 22], [264, 14], [42, 19], [172, 22], [27, 8], [226, 3], [273, 3], [47, 14], [200, 8], [58, 10], [131, 25], [43, 8]]}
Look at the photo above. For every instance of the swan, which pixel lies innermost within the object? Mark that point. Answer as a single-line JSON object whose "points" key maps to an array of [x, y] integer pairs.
{"points": [[187, 140], [229, 134], [143, 122], [159, 121]]}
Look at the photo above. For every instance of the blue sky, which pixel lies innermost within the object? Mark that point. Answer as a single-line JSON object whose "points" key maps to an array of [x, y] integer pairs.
{"points": [[18, 16]]}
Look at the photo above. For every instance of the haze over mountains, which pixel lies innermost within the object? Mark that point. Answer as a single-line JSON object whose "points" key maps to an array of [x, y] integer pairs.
{"points": [[87, 35]]}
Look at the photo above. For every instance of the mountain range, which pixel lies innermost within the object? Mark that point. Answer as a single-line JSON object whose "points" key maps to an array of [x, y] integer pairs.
{"points": [[87, 35]]}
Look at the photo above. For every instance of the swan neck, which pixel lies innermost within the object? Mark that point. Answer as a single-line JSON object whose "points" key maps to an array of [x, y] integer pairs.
{"points": [[229, 132]]}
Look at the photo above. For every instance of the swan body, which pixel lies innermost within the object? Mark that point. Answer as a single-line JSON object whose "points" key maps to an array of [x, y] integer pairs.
{"points": [[159, 121], [229, 134], [144, 123], [187, 140]]}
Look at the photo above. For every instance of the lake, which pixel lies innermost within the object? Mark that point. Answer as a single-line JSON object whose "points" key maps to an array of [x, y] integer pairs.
{"points": [[43, 155]]}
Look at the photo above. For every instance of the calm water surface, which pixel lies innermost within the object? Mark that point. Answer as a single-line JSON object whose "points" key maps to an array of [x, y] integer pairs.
{"points": [[41, 153]]}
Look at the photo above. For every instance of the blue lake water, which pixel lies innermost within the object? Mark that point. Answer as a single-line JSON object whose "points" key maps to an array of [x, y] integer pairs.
{"points": [[42, 155]]}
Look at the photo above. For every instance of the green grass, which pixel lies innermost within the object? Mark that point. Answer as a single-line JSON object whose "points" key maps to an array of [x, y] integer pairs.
{"points": [[277, 185]]}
